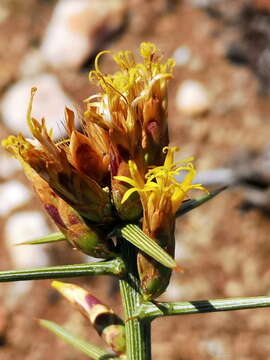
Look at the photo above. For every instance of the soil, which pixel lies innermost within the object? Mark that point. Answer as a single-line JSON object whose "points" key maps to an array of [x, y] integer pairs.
{"points": [[225, 252]]}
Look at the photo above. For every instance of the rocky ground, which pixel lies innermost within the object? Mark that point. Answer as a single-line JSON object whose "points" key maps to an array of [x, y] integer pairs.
{"points": [[218, 112]]}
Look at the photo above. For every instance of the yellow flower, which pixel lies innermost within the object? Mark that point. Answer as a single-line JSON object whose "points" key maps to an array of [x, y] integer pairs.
{"points": [[65, 165], [133, 101], [161, 195], [158, 189]]}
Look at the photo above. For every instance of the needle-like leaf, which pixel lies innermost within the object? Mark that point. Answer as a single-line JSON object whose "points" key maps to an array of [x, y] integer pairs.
{"points": [[159, 309], [137, 237], [93, 351], [193, 203], [111, 267], [52, 238]]}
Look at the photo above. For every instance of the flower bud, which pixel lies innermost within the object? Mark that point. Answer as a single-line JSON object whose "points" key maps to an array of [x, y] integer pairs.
{"points": [[154, 277], [108, 325], [82, 236]]}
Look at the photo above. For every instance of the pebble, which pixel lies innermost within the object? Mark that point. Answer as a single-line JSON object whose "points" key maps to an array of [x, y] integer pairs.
{"points": [[203, 3], [32, 64], [24, 226], [13, 194], [49, 102], [216, 349], [8, 166], [4, 12], [78, 28], [192, 98], [182, 55]]}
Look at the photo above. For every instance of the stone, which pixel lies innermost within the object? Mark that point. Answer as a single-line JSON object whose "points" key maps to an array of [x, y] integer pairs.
{"points": [[215, 348], [32, 64], [8, 166], [192, 98], [49, 102], [4, 12], [24, 226], [13, 194], [203, 3], [78, 28], [182, 55]]}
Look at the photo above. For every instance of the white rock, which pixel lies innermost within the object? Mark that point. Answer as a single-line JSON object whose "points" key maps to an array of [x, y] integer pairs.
{"points": [[215, 348], [204, 3], [16, 292], [32, 64], [8, 166], [24, 226], [182, 55], [4, 12], [192, 98], [13, 194], [49, 102], [78, 27]]}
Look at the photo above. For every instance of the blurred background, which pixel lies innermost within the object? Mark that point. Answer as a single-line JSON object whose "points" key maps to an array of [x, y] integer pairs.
{"points": [[219, 112]]}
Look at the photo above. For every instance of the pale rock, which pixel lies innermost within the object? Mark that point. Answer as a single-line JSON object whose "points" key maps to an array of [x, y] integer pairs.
{"points": [[49, 102], [182, 55], [16, 292], [196, 64], [193, 98], [216, 349], [204, 3], [4, 12], [182, 251], [32, 64], [78, 28], [8, 166], [174, 292], [25, 226], [13, 194]]}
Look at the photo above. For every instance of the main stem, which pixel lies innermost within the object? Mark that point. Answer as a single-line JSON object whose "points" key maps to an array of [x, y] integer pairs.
{"points": [[138, 332]]}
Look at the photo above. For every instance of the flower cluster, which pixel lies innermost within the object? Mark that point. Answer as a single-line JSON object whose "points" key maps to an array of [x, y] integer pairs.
{"points": [[118, 168]]}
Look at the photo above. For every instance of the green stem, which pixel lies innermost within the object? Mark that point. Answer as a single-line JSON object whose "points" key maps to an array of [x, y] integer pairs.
{"points": [[152, 311], [138, 332], [112, 267]]}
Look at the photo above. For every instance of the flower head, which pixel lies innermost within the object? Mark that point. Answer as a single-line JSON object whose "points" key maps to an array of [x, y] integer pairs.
{"points": [[158, 189], [161, 195], [133, 101], [72, 168], [132, 108]]}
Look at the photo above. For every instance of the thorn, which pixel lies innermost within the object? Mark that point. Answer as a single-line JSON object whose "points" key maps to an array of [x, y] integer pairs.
{"points": [[179, 268]]}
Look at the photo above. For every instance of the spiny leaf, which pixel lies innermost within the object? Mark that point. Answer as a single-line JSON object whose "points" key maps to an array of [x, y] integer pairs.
{"points": [[52, 238], [137, 237], [159, 309], [193, 203], [110, 267], [90, 350]]}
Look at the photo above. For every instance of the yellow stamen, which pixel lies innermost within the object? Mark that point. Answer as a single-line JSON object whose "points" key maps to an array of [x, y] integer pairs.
{"points": [[159, 183]]}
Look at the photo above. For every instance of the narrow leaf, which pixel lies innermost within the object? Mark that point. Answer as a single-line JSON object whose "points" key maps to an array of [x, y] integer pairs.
{"points": [[52, 238], [193, 203], [90, 350], [137, 237], [158, 309], [111, 267]]}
